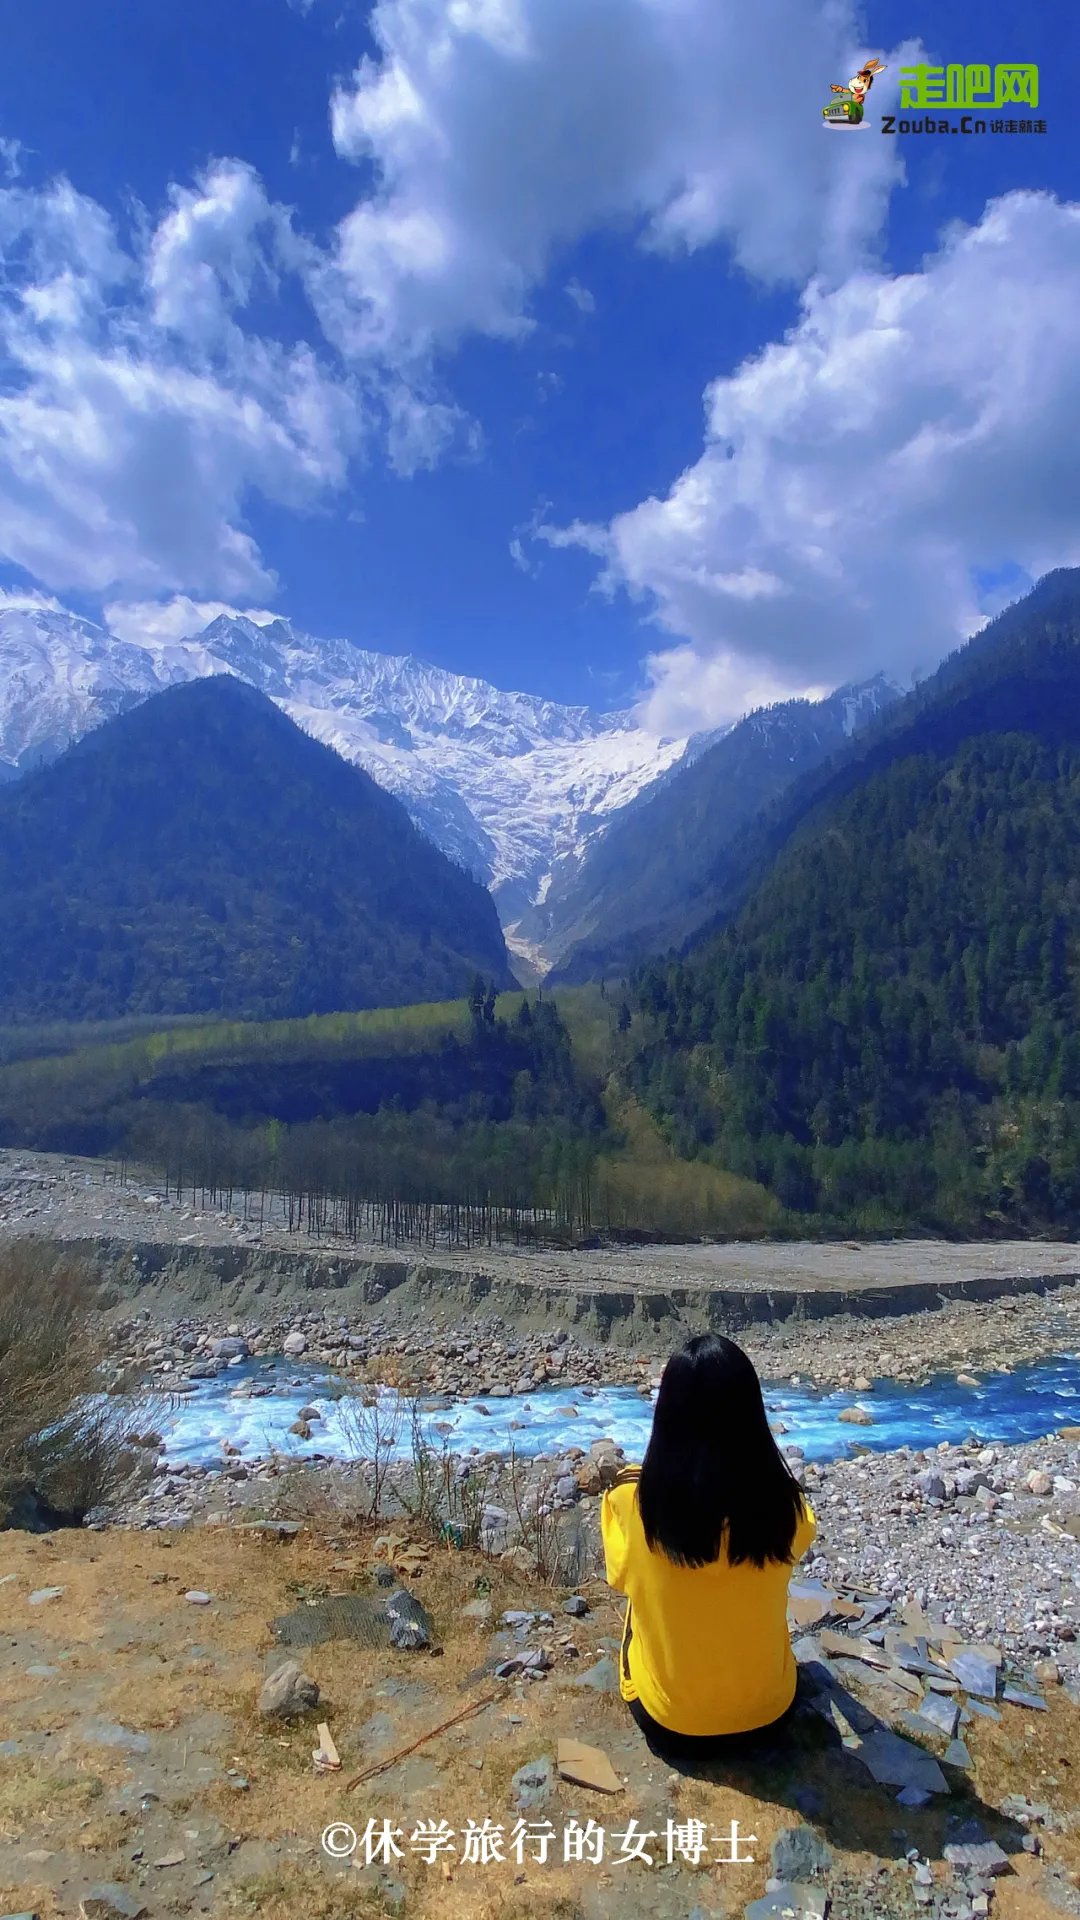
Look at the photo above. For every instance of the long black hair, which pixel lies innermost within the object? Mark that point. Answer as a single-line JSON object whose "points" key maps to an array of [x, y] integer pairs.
{"points": [[713, 1478]]}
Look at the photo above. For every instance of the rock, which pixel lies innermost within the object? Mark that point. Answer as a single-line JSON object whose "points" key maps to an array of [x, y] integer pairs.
{"points": [[27, 1511], [532, 1785], [940, 1713], [856, 1417], [1017, 1806], [1039, 1482], [294, 1343], [301, 1429], [601, 1678], [1047, 1673], [110, 1901], [957, 1754], [231, 1347], [576, 1606], [477, 1610], [895, 1762], [1016, 1697], [287, 1693], [967, 1380], [979, 1857], [197, 1597], [42, 1594], [798, 1853], [410, 1624], [975, 1672], [930, 1485], [789, 1902]]}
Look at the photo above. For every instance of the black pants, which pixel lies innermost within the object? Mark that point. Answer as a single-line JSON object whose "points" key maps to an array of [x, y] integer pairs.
{"points": [[667, 1745]]}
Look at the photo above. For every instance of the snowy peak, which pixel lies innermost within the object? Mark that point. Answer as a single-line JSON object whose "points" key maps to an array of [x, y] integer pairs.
{"points": [[56, 670], [517, 789], [398, 688], [506, 783]]}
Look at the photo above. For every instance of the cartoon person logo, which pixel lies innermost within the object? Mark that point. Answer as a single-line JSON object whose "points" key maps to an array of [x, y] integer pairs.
{"points": [[847, 109]]}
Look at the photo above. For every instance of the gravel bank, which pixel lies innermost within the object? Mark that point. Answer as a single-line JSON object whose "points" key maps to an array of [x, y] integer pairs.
{"points": [[831, 1313]]}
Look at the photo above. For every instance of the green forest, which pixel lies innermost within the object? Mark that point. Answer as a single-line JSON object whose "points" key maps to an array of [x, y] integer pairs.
{"points": [[887, 1034], [453, 1123], [200, 854]]}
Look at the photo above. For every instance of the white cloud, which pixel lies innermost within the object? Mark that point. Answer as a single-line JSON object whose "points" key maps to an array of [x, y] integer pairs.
{"points": [[206, 257], [909, 434], [137, 415], [15, 600], [150, 622], [500, 131], [11, 152], [584, 301]]}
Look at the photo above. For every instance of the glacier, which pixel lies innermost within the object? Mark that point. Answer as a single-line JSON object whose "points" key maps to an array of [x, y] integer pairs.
{"points": [[510, 785]]}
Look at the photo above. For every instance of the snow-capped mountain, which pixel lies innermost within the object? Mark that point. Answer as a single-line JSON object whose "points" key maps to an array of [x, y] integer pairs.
{"points": [[648, 881], [60, 676], [508, 784]]}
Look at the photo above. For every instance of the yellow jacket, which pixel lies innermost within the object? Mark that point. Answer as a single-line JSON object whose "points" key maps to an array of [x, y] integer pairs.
{"points": [[705, 1649]]}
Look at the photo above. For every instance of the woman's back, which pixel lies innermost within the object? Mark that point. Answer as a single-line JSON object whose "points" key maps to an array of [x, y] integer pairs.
{"points": [[705, 1649]]}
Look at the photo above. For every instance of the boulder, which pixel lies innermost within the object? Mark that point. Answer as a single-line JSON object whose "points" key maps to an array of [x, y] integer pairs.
{"points": [[287, 1693]]}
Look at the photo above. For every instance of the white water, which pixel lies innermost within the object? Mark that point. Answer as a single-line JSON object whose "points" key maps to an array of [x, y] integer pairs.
{"points": [[1023, 1405]]}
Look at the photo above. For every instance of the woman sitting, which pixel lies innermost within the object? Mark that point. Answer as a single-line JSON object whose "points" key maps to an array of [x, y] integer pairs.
{"points": [[702, 1539]]}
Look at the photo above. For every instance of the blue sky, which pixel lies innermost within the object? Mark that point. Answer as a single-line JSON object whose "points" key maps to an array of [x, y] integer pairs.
{"points": [[557, 343]]}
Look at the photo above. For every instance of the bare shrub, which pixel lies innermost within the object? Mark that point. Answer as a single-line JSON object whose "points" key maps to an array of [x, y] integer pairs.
{"points": [[547, 1542], [443, 1496], [61, 1438], [372, 1420]]}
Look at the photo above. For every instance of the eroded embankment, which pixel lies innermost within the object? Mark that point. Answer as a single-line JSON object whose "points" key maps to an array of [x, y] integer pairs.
{"points": [[241, 1282]]}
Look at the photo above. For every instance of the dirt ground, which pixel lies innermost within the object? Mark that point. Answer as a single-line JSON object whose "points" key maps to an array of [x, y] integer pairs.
{"points": [[131, 1753]]}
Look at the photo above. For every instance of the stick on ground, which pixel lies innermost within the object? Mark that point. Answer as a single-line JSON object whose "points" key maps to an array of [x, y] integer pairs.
{"points": [[392, 1759]]}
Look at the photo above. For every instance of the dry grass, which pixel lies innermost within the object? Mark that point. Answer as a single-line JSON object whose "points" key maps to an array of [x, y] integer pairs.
{"points": [[124, 1621], [57, 1435], [33, 1794]]}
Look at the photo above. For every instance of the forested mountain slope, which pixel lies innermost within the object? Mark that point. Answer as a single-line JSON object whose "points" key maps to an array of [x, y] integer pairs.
{"points": [[887, 1031], [646, 883], [201, 854]]}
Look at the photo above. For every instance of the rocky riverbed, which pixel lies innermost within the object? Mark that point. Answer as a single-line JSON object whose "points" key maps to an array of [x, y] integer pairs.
{"points": [[990, 1534], [830, 1312]]}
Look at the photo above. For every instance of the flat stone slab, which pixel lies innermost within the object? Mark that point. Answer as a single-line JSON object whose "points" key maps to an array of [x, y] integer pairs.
{"points": [[895, 1762], [1017, 1697], [981, 1856], [975, 1672]]}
